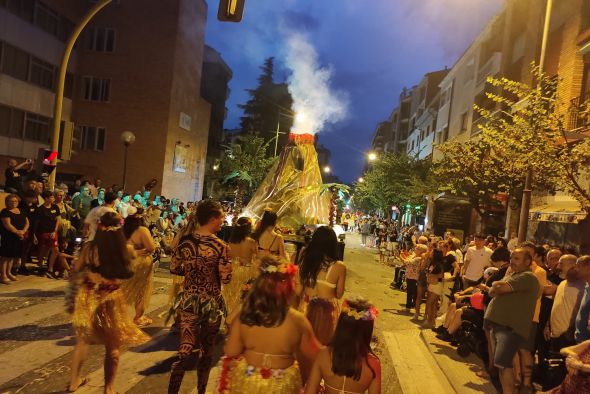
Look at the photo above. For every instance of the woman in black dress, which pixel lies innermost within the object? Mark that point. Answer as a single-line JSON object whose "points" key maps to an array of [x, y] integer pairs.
{"points": [[12, 232]]}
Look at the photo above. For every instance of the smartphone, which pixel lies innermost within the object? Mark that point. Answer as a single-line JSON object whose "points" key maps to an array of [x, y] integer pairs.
{"points": [[78, 240]]}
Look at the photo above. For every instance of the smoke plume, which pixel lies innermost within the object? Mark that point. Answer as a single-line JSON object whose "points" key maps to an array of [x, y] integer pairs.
{"points": [[314, 102]]}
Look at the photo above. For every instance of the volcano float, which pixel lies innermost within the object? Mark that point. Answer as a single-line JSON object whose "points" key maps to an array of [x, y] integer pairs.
{"points": [[293, 186]]}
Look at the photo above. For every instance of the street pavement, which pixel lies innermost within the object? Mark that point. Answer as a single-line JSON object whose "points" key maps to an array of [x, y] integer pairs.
{"points": [[36, 340]]}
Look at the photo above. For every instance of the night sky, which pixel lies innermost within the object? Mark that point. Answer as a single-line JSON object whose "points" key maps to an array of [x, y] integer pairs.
{"points": [[373, 49]]}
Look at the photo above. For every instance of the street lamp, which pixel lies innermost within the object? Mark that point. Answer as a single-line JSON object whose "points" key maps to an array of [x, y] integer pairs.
{"points": [[327, 169], [128, 138], [361, 180], [372, 156]]}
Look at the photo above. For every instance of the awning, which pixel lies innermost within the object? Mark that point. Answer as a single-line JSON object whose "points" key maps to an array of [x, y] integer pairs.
{"points": [[559, 211]]}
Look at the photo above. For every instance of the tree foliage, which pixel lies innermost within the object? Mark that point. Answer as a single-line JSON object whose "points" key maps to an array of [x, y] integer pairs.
{"points": [[529, 131], [267, 101], [394, 180]]}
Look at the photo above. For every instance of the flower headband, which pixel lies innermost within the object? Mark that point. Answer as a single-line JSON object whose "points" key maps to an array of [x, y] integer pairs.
{"points": [[283, 268], [367, 314]]}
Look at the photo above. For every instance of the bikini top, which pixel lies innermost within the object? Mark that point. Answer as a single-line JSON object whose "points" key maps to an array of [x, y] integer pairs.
{"points": [[325, 282], [341, 390], [276, 253]]}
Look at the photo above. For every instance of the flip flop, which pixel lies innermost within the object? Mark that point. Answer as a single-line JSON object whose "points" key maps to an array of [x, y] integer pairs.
{"points": [[83, 382]]}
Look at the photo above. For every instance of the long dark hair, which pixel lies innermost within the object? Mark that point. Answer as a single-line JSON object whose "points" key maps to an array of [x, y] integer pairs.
{"points": [[241, 230], [267, 302], [110, 243], [133, 222], [321, 251], [269, 219], [351, 344]]}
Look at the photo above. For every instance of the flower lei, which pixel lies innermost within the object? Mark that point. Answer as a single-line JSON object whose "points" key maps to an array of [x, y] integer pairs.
{"points": [[368, 314], [283, 268]]}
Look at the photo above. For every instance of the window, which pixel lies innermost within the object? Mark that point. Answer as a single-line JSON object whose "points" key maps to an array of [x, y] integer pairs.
{"points": [[21, 8], [4, 120], [90, 138], [96, 89], [42, 73], [464, 117], [15, 62], [100, 39], [37, 128], [46, 18], [69, 85], [66, 27]]}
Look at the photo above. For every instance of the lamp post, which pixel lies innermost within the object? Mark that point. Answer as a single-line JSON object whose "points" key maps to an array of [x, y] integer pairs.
{"points": [[372, 156], [526, 193], [327, 169], [59, 91], [128, 138]]}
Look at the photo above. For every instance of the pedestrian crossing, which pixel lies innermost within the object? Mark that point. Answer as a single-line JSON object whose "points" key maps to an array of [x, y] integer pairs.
{"points": [[36, 343]]}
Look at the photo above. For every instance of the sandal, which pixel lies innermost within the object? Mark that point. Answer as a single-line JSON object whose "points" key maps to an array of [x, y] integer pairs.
{"points": [[83, 382]]}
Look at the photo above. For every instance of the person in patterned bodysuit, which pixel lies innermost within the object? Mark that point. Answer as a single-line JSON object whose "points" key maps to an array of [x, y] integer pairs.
{"points": [[203, 260]]}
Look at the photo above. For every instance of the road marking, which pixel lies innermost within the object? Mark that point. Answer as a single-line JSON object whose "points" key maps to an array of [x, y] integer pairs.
{"points": [[417, 371], [35, 354]]}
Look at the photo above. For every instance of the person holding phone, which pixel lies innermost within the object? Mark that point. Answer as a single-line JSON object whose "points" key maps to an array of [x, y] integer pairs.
{"points": [[15, 173]]}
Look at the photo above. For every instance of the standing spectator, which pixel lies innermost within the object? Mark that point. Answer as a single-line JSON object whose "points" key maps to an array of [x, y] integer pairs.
{"points": [[365, 230], [566, 302], [65, 215], [93, 217], [15, 173], [510, 313], [12, 232], [81, 203], [582, 319], [476, 261], [435, 286], [28, 206], [45, 234], [412, 273]]}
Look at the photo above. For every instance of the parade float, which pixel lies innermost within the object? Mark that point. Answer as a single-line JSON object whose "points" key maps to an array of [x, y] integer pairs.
{"points": [[293, 188]]}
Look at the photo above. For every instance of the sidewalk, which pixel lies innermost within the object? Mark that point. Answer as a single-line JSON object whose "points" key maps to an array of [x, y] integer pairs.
{"points": [[422, 363]]}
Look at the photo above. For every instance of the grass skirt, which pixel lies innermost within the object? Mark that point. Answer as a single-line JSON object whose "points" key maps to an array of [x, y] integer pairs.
{"points": [[100, 315], [323, 315], [238, 377], [232, 292], [138, 288]]}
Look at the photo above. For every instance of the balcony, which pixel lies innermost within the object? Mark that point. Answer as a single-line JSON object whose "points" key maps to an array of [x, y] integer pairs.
{"points": [[577, 119], [490, 68]]}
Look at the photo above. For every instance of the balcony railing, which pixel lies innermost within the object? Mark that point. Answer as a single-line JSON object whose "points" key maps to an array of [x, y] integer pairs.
{"points": [[576, 117], [491, 67]]}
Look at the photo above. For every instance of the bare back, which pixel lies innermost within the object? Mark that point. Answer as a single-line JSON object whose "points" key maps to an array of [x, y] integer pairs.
{"points": [[244, 251], [329, 283]]}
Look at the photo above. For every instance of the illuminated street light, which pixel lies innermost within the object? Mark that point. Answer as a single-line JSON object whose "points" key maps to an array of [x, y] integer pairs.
{"points": [[372, 156], [327, 169], [361, 179]]}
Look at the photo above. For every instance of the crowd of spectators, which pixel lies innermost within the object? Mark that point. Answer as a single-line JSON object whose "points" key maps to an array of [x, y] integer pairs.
{"points": [[523, 308], [40, 228]]}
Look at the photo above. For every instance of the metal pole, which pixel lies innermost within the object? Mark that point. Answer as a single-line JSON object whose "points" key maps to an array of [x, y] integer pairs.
{"points": [[125, 168], [59, 91], [277, 137], [526, 193]]}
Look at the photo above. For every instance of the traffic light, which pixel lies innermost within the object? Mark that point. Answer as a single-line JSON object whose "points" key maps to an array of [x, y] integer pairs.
{"points": [[230, 10], [48, 157]]}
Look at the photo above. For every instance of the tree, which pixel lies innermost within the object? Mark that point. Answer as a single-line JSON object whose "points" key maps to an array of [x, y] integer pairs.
{"points": [[244, 166], [262, 112], [394, 180], [528, 131]]}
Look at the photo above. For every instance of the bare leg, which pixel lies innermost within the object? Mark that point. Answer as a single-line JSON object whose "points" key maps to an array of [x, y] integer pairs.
{"points": [[431, 304], [78, 358], [507, 380], [41, 254], [450, 313], [111, 363], [3, 276], [456, 323], [53, 253], [139, 310], [9, 264], [419, 296], [526, 367]]}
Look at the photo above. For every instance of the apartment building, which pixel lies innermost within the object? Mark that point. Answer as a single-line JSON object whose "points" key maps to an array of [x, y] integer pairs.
{"points": [[143, 77]]}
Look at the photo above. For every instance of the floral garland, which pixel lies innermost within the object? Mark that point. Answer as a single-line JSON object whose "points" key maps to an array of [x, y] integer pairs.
{"points": [[368, 314], [283, 268]]}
